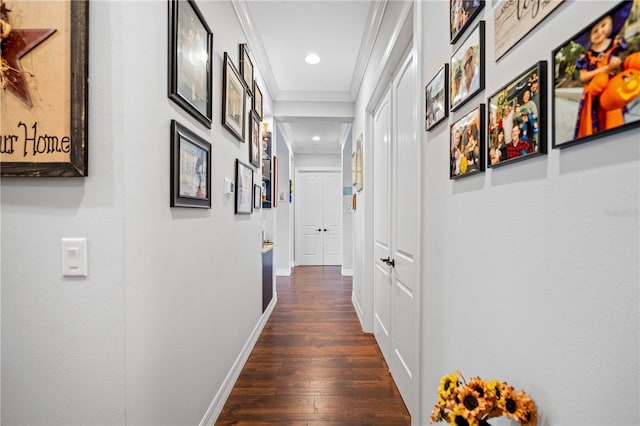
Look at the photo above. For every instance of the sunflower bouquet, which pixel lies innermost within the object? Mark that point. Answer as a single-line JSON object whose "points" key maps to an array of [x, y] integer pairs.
{"points": [[475, 403]]}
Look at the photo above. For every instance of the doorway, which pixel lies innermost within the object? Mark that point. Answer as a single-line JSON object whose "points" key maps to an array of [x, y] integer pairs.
{"points": [[318, 217]]}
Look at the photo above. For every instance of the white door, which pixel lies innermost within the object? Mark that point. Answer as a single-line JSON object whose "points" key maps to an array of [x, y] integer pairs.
{"points": [[318, 218], [397, 230], [381, 225]]}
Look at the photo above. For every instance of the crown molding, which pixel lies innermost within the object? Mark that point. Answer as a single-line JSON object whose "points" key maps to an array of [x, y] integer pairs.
{"points": [[372, 28], [256, 47], [315, 96]]}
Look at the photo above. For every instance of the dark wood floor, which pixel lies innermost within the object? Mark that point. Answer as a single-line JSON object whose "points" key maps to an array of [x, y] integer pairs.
{"points": [[313, 365]]}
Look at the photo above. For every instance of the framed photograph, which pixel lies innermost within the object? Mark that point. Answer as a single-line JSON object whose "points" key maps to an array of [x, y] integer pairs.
{"points": [[190, 53], [512, 22], [254, 145], [357, 165], [246, 67], [354, 168], [467, 144], [518, 118], [257, 197], [190, 168], [462, 14], [44, 72], [596, 83], [233, 100], [437, 98], [257, 100], [274, 184], [466, 69], [244, 188]]}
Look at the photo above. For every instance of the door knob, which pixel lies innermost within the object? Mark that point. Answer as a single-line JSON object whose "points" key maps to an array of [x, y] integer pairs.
{"points": [[325, 229], [319, 230], [385, 259]]}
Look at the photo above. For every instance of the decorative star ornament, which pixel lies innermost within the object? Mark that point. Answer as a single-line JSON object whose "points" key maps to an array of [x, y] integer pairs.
{"points": [[18, 43]]}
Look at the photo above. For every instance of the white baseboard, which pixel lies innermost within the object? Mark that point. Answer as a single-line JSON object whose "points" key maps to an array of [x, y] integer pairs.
{"points": [[216, 406], [284, 272], [292, 263], [357, 308], [347, 272]]}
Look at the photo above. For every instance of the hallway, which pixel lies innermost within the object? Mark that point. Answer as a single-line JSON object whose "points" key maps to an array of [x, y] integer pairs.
{"points": [[312, 364]]}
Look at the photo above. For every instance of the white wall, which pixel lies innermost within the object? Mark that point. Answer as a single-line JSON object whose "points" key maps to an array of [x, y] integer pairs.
{"points": [[172, 294], [283, 248], [317, 160], [531, 271], [347, 211]]}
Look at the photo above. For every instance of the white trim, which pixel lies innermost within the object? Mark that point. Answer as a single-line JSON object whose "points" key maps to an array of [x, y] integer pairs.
{"points": [[216, 406], [358, 309], [283, 272], [317, 169], [292, 263], [372, 28], [347, 272]]}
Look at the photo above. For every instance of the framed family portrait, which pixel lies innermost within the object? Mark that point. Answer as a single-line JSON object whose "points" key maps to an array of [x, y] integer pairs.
{"points": [[518, 118], [467, 144], [190, 55], [466, 69], [44, 103], [244, 188], [462, 13], [246, 67], [190, 168], [257, 100], [233, 100], [254, 145], [437, 98], [596, 83]]}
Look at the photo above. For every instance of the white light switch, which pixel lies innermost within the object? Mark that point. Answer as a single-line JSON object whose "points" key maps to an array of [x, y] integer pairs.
{"points": [[74, 257]]}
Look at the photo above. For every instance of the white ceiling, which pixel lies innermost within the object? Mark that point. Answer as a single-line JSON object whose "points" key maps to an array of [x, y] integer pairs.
{"points": [[282, 33]]}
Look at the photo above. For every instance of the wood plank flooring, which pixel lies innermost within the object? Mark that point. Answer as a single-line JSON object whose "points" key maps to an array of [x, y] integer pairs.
{"points": [[312, 364]]}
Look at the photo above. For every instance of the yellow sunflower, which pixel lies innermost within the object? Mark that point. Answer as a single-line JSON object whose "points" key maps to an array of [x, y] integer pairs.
{"points": [[448, 385], [530, 415], [457, 418], [510, 403], [470, 404]]}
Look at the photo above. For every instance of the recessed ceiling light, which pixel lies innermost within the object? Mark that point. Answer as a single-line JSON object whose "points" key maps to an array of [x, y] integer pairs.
{"points": [[312, 59], [316, 138]]}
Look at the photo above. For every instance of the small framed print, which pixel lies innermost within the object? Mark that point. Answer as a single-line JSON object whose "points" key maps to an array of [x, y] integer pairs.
{"points": [[257, 100], [462, 13], [190, 168], [257, 197], [254, 145], [233, 100], [466, 69], [246, 67], [244, 188], [190, 53], [596, 88], [437, 98], [467, 144], [518, 118]]}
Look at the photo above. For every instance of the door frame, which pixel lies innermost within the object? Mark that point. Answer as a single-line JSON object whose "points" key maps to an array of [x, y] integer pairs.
{"points": [[296, 207]]}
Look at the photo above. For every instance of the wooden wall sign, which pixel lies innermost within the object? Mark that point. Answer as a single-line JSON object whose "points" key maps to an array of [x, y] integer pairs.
{"points": [[43, 126]]}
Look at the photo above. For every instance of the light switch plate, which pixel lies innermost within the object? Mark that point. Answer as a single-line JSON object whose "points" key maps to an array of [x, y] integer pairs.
{"points": [[74, 257], [229, 187]]}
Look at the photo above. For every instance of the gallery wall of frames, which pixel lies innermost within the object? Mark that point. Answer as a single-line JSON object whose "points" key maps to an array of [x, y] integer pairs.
{"points": [[191, 78], [588, 88]]}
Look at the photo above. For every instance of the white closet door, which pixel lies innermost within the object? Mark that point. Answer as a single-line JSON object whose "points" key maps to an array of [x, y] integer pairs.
{"points": [[332, 224]]}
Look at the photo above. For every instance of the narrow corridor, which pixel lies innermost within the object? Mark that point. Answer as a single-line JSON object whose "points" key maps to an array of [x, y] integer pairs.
{"points": [[312, 364]]}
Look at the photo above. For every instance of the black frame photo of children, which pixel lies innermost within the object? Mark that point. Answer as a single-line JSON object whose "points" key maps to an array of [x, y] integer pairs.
{"points": [[436, 94], [466, 68], [466, 147], [596, 87], [461, 16], [518, 118]]}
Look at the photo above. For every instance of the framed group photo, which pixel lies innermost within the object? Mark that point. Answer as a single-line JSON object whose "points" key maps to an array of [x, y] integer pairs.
{"points": [[596, 83], [437, 98], [190, 55], [467, 144], [462, 13], [466, 68], [244, 188], [233, 100], [518, 118], [190, 168]]}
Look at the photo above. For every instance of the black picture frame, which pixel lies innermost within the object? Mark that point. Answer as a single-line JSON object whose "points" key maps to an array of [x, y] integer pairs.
{"points": [[518, 109], [190, 168], [246, 67], [255, 140], [244, 188], [611, 97], [257, 197], [461, 16], [466, 152], [190, 83], [233, 100], [467, 64], [257, 100], [78, 141], [436, 94]]}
